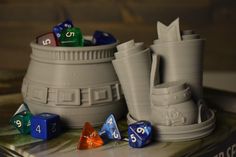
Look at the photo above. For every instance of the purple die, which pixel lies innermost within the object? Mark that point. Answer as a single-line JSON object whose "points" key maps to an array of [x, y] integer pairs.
{"points": [[140, 134], [103, 38], [45, 125], [62, 26]]}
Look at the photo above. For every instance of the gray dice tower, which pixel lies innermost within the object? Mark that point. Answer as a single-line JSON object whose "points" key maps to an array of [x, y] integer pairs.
{"points": [[168, 90]]}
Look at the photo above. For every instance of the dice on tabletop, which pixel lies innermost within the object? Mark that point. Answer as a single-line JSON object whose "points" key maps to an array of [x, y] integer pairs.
{"points": [[102, 38], [110, 129], [89, 138], [45, 125], [140, 134], [21, 119], [71, 37], [47, 39], [62, 26]]}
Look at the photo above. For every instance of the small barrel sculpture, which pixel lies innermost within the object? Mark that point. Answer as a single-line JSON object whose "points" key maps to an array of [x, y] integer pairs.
{"points": [[172, 104]]}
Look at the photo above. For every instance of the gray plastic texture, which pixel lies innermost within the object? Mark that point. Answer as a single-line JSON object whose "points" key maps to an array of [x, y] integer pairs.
{"points": [[133, 66], [172, 105], [155, 73], [176, 76], [203, 111], [176, 72], [182, 132], [181, 56], [78, 83]]}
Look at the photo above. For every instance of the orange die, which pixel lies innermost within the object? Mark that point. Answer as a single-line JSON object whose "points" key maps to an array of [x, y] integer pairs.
{"points": [[89, 138]]}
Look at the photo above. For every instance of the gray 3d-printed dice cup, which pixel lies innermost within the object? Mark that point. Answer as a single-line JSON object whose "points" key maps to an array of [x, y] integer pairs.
{"points": [[78, 83], [184, 132], [184, 55]]}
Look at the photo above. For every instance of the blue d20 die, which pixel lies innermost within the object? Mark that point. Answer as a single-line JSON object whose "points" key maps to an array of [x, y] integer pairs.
{"points": [[45, 125], [110, 129], [62, 26], [103, 38], [140, 134]]}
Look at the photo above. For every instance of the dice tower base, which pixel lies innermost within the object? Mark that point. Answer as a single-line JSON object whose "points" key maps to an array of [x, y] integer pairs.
{"points": [[184, 132]]}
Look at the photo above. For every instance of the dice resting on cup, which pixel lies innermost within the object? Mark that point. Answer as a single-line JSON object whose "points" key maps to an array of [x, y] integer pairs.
{"points": [[47, 39], [62, 26], [71, 37], [45, 126], [140, 134], [102, 38]]}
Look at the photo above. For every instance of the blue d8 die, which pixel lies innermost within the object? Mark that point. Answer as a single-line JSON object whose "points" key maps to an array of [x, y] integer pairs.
{"points": [[45, 125], [110, 129], [140, 134], [102, 38], [62, 26]]}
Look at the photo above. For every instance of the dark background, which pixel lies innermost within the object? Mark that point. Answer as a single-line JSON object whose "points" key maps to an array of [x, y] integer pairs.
{"points": [[22, 20]]}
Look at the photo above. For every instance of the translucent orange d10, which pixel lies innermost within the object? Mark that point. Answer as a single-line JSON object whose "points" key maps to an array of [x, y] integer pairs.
{"points": [[89, 138]]}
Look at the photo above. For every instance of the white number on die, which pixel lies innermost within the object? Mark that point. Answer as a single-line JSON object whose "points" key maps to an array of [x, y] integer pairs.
{"points": [[18, 123], [140, 130], [38, 129], [70, 34], [46, 42], [110, 121], [115, 135], [133, 138]]}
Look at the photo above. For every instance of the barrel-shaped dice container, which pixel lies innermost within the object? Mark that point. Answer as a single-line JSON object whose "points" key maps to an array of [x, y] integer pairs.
{"points": [[77, 83], [172, 104]]}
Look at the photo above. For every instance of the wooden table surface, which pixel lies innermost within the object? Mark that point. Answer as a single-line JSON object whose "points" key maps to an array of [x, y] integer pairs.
{"points": [[14, 144]]}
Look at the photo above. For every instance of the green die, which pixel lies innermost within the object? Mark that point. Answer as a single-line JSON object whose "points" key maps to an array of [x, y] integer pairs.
{"points": [[71, 37], [21, 119]]}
